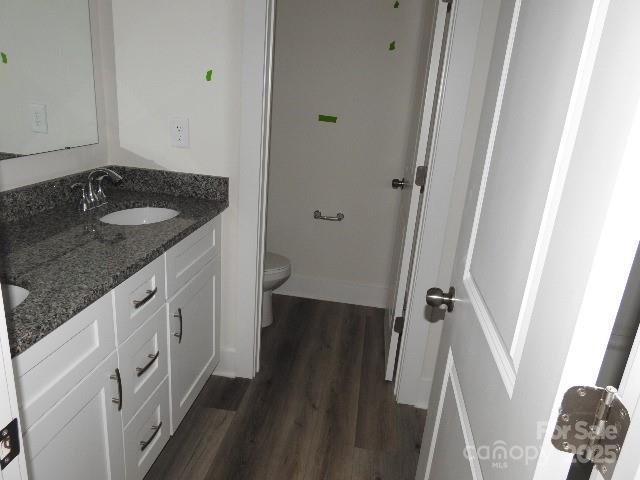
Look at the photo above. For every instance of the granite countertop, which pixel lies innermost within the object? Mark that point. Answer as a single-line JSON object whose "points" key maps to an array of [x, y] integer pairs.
{"points": [[68, 260]]}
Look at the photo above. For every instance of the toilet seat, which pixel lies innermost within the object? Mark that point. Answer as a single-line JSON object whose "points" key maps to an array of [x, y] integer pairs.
{"points": [[275, 264]]}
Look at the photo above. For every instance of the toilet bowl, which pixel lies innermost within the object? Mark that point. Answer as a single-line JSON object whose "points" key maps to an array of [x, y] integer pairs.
{"points": [[277, 270]]}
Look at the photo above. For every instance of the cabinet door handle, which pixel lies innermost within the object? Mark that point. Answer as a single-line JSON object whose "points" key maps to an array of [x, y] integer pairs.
{"points": [[144, 444], [179, 317], [140, 370], [150, 294], [117, 400]]}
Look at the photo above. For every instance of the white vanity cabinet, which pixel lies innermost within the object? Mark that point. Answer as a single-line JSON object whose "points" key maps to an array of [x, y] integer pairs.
{"points": [[101, 394]]}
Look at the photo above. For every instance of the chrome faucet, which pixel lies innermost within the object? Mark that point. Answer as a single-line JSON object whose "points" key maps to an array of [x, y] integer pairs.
{"points": [[98, 197], [93, 197]]}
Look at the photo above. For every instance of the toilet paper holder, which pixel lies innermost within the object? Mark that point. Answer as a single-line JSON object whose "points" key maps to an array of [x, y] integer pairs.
{"points": [[318, 216]]}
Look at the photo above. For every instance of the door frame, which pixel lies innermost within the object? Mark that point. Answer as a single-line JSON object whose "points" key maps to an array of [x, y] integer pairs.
{"points": [[629, 392], [256, 88], [255, 129]]}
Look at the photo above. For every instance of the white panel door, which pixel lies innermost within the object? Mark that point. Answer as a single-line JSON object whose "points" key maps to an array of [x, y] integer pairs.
{"points": [[548, 238], [411, 203], [16, 469]]}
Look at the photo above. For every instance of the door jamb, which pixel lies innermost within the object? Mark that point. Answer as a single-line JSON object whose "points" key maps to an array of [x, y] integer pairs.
{"points": [[255, 126]]}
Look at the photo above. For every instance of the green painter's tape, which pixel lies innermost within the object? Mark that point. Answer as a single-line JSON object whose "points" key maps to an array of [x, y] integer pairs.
{"points": [[4, 57], [327, 118], [209, 75], [397, 4], [392, 45]]}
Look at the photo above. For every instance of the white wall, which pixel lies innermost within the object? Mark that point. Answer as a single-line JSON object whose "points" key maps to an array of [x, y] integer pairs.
{"points": [[158, 77], [157, 70], [50, 62], [22, 171], [333, 58]]}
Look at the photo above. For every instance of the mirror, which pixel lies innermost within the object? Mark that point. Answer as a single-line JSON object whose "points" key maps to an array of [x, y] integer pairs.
{"points": [[47, 92]]}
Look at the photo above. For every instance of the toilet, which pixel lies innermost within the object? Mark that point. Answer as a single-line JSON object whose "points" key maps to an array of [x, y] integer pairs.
{"points": [[277, 270]]}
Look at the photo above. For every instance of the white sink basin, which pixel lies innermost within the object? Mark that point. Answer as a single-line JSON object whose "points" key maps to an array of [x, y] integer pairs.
{"points": [[139, 216], [13, 295]]}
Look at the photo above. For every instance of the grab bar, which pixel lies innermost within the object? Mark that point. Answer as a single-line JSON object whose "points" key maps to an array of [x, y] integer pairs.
{"points": [[318, 216]]}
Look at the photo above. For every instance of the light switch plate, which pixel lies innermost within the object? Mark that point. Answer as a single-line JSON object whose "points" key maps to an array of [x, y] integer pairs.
{"points": [[38, 114], [179, 132]]}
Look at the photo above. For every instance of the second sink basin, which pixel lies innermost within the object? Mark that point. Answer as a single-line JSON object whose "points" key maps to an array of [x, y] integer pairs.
{"points": [[13, 296], [139, 216]]}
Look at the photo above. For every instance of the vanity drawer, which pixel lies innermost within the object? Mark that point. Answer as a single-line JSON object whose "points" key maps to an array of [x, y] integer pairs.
{"points": [[143, 363], [188, 257], [147, 433], [56, 364], [138, 297]]}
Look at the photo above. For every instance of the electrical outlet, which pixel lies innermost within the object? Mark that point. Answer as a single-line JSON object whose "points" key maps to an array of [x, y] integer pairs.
{"points": [[38, 118], [179, 132]]}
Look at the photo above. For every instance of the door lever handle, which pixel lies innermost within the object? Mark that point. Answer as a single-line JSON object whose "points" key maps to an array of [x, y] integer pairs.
{"points": [[436, 298], [318, 216], [397, 183]]}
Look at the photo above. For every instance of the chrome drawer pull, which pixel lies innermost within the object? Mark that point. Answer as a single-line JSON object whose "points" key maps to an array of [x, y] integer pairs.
{"points": [[140, 370], [150, 295], [117, 400], [145, 444], [179, 317], [318, 216]]}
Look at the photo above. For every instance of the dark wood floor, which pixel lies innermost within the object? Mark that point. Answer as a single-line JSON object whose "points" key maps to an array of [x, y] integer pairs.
{"points": [[318, 409]]}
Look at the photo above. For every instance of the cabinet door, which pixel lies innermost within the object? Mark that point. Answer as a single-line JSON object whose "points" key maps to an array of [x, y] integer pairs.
{"points": [[81, 436], [56, 364], [194, 326]]}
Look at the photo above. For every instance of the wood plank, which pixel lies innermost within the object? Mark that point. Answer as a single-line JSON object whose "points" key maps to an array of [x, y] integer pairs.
{"points": [[376, 408], [298, 419], [331, 454], [401, 463], [363, 464], [190, 452], [243, 454], [224, 393]]}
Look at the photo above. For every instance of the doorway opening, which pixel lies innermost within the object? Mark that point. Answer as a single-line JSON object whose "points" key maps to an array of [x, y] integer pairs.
{"points": [[350, 87]]}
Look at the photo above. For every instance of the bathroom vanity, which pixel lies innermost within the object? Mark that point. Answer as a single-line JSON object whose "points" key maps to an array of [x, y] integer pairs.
{"points": [[120, 329]]}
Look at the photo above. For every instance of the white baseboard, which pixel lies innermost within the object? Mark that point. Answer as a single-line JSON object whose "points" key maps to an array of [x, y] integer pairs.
{"points": [[226, 366], [418, 396], [332, 290]]}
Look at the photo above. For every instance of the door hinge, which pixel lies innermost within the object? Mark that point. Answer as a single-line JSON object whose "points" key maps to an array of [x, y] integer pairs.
{"points": [[398, 325], [592, 424], [421, 177], [9, 443], [449, 4]]}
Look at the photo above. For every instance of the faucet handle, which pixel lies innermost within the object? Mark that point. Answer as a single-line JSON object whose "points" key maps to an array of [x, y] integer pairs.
{"points": [[83, 205]]}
